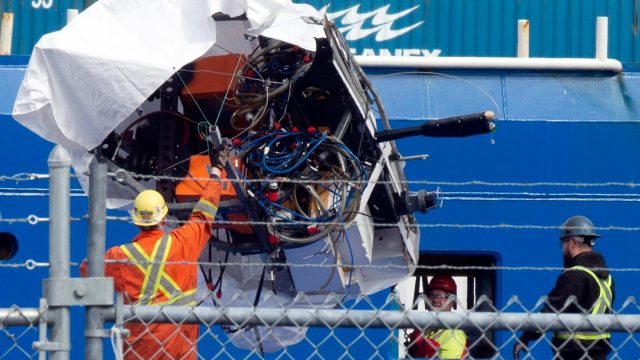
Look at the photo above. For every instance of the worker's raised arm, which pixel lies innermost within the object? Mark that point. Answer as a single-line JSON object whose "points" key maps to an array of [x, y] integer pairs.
{"points": [[197, 231]]}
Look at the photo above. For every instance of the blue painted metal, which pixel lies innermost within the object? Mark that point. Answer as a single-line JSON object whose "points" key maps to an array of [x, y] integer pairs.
{"points": [[559, 28], [530, 146], [10, 77], [34, 18]]}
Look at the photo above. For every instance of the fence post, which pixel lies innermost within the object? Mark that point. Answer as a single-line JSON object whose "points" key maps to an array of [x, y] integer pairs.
{"points": [[6, 32], [59, 248], [94, 321]]}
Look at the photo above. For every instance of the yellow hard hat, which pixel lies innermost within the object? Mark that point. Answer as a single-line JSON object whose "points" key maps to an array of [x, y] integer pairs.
{"points": [[148, 208]]}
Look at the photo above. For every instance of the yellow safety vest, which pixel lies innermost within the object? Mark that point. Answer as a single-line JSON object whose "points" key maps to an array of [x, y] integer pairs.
{"points": [[602, 304], [452, 343], [156, 280]]}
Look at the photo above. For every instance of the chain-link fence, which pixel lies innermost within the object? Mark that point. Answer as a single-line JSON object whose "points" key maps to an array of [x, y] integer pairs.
{"points": [[19, 330], [366, 328], [363, 328]]}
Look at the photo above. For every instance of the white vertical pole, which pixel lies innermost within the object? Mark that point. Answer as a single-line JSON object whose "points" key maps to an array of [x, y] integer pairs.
{"points": [[602, 36], [6, 32], [71, 14], [94, 322], [59, 245], [523, 38]]}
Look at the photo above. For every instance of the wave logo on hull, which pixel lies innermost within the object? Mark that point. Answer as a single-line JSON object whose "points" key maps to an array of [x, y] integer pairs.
{"points": [[352, 23]]}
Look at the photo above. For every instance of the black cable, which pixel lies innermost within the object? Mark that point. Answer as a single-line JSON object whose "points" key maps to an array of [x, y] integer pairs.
{"points": [[221, 273]]}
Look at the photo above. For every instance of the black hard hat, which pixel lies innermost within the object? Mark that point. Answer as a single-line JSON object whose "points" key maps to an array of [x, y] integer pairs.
{"points": [[578, 226]]}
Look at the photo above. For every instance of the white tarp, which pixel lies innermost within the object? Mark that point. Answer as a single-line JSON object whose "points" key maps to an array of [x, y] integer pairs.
{"points": [[84, 80]]}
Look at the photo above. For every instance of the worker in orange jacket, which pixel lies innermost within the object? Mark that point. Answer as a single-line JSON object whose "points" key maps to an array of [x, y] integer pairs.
{"points": [[439, 343], [159, 268]]}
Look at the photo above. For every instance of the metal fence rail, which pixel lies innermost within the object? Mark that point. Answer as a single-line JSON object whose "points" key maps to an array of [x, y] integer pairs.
{"points": [[387, 319], [19, 328], [372, 333]]}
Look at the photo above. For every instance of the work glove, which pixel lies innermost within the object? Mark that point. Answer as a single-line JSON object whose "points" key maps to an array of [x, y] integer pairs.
{"points": [[219, 157]]}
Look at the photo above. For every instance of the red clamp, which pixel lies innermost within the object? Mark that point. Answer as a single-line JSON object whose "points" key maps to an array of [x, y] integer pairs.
{"points": [[272, 196], [273, 240]]}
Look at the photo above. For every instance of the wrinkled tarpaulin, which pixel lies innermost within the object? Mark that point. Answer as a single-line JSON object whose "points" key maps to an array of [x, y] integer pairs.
{"points": [[86, 79]]}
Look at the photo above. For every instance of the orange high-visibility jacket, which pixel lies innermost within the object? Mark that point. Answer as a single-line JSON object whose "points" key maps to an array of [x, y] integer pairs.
{"points": [[148, 277]]}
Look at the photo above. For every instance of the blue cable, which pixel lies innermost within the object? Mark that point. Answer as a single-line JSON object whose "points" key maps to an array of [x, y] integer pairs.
{"points": [[247, 145], [299, 216], [304, 158], [285, 158]]}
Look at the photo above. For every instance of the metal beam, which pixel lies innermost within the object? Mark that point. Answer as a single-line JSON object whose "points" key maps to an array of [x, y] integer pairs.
{"points": [[333, 318], [19, 317]]}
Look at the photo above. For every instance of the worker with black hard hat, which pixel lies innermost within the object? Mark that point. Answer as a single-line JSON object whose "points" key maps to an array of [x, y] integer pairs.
{"points": [[585, 286]]}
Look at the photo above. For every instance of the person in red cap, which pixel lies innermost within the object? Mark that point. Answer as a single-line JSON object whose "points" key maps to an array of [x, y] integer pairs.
{"points": [[439, 343]]}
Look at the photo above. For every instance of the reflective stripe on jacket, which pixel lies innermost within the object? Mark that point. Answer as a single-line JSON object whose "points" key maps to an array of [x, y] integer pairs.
{"points": [[158, 288], [159, 268], [601, 306]]}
